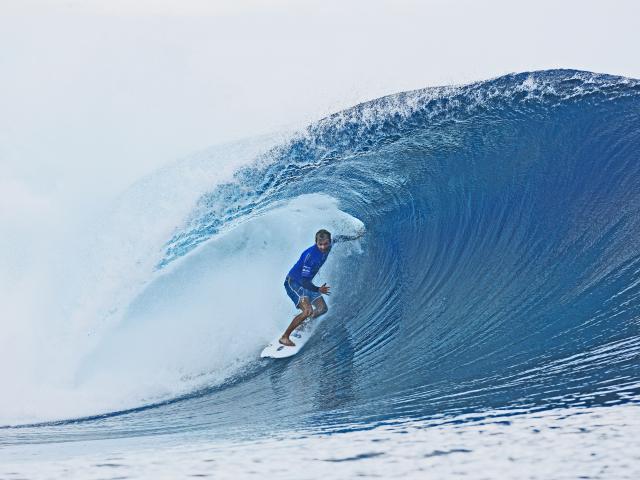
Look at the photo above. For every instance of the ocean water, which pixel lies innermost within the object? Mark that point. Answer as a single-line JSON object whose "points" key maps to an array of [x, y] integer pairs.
{"points": [[486, 324]]}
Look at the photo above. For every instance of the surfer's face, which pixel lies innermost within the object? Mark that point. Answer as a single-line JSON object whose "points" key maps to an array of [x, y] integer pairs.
{"points": [[324, 245]]}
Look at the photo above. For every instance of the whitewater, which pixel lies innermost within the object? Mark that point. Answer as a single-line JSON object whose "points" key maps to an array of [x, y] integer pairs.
{"points": [[488, 318]]}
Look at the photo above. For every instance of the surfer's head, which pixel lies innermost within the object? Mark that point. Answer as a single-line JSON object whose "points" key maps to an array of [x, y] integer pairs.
{"points": [[323, 240]]}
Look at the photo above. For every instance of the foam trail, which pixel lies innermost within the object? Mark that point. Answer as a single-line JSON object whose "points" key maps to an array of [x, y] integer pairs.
{"points": [[211, 313], [204, 318], [68, 272]]}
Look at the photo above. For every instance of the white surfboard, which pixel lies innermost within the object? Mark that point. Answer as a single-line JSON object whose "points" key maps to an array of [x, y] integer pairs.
{"points": [[300, 337]]}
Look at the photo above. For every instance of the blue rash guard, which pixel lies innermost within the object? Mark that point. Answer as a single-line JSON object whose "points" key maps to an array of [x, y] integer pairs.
{"points": [[307, 266], [298, 283], [310, 262]]}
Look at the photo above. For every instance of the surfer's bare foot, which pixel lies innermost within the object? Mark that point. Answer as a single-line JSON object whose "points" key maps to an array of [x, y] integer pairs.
{"points": [[287, 341]]}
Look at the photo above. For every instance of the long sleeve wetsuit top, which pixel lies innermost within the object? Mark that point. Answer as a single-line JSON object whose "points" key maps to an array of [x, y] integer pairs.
{"points": [[307, 266]]}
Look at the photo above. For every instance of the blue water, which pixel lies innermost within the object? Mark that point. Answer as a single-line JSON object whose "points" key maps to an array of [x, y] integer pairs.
{"points": [[500, 267]]}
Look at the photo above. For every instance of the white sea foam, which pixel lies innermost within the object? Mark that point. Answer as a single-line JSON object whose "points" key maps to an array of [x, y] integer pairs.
{"points": [[73, 342], [195, 323], [211, 312]]}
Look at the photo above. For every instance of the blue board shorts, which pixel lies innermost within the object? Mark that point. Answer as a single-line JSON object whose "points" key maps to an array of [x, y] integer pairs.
{"points": [[297, 291]]}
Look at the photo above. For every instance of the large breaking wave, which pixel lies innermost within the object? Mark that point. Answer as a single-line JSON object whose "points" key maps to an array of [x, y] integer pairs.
{"points": [[500, 269]]}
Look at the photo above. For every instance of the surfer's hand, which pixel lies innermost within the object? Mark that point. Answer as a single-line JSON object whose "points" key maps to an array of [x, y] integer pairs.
{"points": [[324, 289]]}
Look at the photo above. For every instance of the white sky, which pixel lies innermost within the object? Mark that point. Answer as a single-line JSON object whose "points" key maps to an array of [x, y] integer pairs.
{"points": [[95, 93]]}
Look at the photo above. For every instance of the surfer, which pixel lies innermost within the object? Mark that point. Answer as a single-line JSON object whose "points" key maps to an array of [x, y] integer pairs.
{"points": [[306, 296]]}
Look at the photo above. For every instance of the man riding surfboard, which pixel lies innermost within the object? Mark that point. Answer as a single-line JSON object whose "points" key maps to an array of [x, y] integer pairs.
{"points": [[306, 296]]}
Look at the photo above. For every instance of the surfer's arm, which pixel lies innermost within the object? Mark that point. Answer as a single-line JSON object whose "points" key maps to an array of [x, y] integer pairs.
{"points": [[308, 284], [308, 274], [347, 238]]}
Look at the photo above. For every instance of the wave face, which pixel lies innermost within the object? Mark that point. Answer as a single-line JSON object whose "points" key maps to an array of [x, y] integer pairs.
{"points": [[500, 267]]}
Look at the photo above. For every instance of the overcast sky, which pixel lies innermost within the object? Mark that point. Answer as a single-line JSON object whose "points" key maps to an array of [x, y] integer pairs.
{"points": [[93, 94]]}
